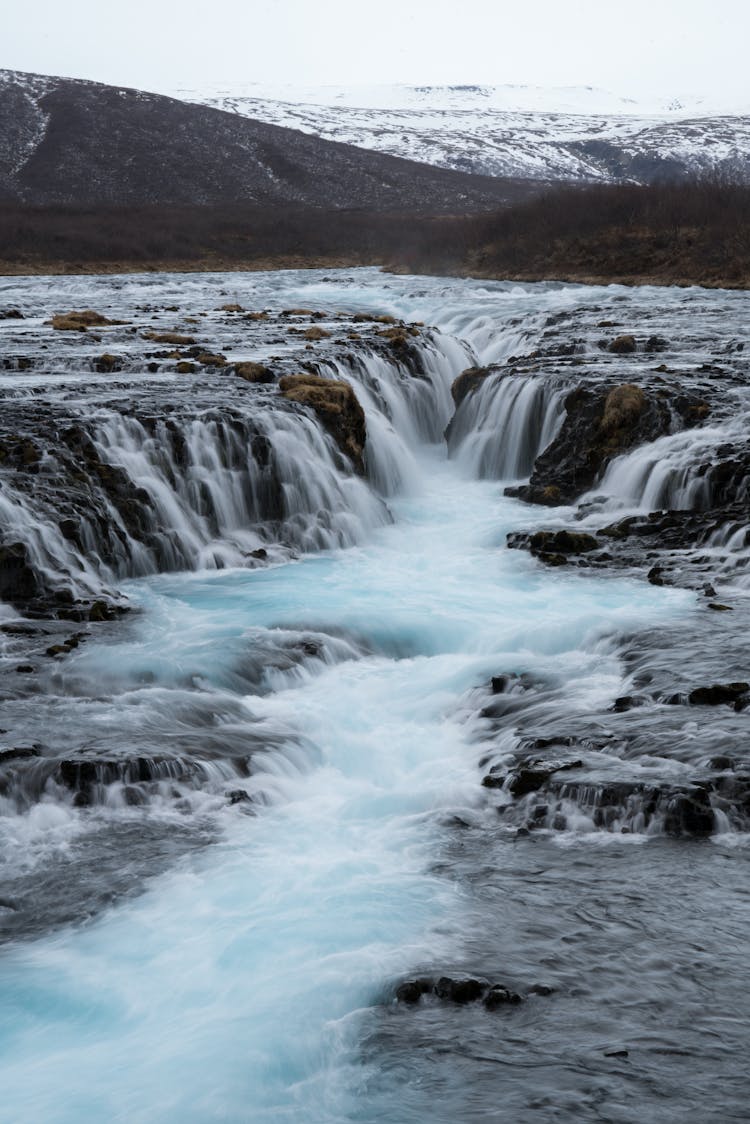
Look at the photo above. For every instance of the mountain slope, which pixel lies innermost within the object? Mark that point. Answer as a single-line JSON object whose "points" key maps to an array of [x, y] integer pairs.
{"points": [[518, 132], [68, 141]]}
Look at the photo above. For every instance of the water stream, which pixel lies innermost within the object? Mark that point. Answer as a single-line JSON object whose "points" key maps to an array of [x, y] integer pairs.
{"points": [[252, 978]]}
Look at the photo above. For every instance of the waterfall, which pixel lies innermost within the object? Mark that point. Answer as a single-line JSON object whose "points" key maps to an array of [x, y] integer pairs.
{"points": [[501, 427]]}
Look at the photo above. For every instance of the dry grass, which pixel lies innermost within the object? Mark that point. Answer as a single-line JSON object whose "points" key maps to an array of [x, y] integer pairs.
{"points": [[623, 407]]}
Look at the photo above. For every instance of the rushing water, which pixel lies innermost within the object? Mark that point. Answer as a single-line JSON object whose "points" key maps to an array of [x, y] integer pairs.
{"points": [[252, 979]]}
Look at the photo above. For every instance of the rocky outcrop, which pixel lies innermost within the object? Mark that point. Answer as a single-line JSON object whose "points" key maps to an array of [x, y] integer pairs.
{"points": [[338, 409], [600, 424]]}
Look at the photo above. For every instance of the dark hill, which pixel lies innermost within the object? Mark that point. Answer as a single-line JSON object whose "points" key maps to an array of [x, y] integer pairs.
{"points": [[65, 141]]}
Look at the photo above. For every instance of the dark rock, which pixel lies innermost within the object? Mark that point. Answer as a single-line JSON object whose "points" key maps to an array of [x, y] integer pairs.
{"points": [[238, 796], [19, 582], [718, 694], [106, 364], [600, 423], [656, 343], [11, 314], [499, 996], [254, 372], [467, 382], [622, 345], [690, 814], [561, 542], [25, 669], [411, 991], [541, 989], [17, 753], [721, 762], [460, 991]]}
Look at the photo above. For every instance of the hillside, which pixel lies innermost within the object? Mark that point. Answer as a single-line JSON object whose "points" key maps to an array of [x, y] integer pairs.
{"points": [[64, 141], [509, 131]]}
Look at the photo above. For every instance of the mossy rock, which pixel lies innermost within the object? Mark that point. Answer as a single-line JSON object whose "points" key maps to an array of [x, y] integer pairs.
{"points": [[623, 345], [254, 372], [79, 321], [337, 407], [169, 337]]}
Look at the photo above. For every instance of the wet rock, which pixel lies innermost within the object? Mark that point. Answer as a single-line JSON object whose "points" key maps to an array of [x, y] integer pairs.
{"points": [[656, 344], [238, 796], [499, 996], [541, 989], [721, 763], [254, 372], [411, 991], [169, 337], [19, 582], [690, 814], [316, 333], [622, 345], [460, 990], [719, 608], [233, 308], [628, 702], [561, 542], [534, 775], [18, 753], [718, 694], [11, 314], [599, 424], [185, 367], [337, 407], [79, 321], [107, 363], [467, 382]]}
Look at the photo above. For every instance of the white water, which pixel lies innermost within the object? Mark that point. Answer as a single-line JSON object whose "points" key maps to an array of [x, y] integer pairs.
{"points": [[236, 987], [231, 990]]}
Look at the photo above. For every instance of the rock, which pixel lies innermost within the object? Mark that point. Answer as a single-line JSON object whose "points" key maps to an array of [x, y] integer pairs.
{"points": [[238, 796], [622, 345], [656, 343], [541, 989], [337, 406], [628, 702], [562, 542], [316, 333], [79, 321], [107, 363], [411, 991], [534, 775], [460, 991], [499, 996], [11, 314], [19, 582], [721, 763], [233, 308], [690, 814], [254, 372], [169, 337], [718, 694], [209, 359], [18, 753], [719, 608], [467, 382], [185, 367], [600, 423]]}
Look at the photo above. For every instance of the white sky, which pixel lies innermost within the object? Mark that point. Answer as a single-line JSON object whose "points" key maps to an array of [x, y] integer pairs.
{"points": [[632, 47]]}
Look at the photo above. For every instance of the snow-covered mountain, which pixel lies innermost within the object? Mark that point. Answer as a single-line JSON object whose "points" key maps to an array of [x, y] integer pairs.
{"points": [[511, 131]]}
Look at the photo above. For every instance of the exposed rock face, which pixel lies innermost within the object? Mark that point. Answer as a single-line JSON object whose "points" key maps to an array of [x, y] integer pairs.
{"points": [[467, 382], [336, 405], [600, 424], [68, 141]]}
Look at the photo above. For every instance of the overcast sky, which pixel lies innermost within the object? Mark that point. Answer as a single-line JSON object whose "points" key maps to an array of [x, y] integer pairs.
{"points": [[632, 47]]}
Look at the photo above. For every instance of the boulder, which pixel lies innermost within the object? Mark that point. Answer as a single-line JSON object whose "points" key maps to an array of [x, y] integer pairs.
{"points": [[600, 424], [467, 382], [622, 345], [79, 321], [338, 409], [254, 372]]}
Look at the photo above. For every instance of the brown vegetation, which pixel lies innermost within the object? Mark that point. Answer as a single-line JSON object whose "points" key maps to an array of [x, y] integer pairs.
{"points": [[78, 321], [337, 407], [689, 233]]}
